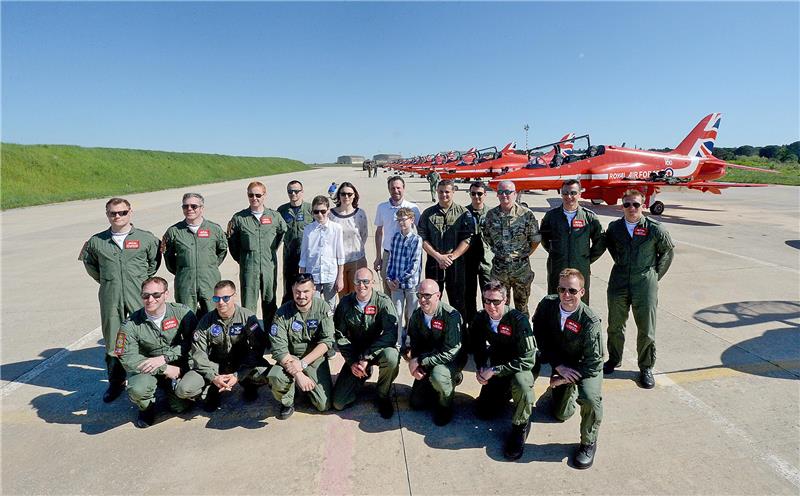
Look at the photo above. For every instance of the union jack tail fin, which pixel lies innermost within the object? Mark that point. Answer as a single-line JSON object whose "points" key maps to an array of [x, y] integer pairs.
{"points": [[567, 148], [700, 142]]}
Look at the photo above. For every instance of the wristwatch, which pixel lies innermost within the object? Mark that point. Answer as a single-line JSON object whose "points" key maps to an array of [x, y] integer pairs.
{"points": [[303, 364]]}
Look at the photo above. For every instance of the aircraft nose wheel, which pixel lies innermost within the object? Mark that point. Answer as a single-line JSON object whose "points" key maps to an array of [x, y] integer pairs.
{"points": [[657, 208]]}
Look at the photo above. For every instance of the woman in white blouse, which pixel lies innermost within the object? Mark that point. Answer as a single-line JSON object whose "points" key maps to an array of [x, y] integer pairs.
{"points": [[354, 223]]}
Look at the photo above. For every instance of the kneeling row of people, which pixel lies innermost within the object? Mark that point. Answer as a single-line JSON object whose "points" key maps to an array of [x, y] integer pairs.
{"points": [[162, 345]]}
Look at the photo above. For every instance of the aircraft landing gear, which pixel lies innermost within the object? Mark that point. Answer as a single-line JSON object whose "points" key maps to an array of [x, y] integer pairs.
{"points": [[596, 201], [657, 208]]}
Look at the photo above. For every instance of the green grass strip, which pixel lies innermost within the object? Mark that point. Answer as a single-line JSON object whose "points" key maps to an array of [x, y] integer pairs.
{"points": [[788, 174], [39, 174]]}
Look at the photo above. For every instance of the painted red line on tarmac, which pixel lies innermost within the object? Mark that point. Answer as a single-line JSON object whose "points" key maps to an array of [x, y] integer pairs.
{"points": [[337, 462]]}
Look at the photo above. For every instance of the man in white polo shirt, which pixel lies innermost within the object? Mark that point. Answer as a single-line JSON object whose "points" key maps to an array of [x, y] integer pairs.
{"points": [[386, 226]]}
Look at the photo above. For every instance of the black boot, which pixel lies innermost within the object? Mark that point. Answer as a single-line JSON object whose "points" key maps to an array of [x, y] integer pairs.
{"points": [[212, 400], [385, 407], [114, 390], [442, 415], [286, 412], [646, 379], [146, 417], [609, 366], [584, 456], [250, 393], [515, 442]]}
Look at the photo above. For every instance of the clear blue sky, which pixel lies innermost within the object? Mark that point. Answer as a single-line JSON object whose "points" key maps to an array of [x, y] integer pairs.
{"points": [[316, 80]]}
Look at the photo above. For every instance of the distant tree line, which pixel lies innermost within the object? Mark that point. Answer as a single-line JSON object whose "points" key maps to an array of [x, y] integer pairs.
{"points": [[782, 153]]}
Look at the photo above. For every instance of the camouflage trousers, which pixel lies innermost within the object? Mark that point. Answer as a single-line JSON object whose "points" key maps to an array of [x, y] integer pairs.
{"points": [[517, 278]]}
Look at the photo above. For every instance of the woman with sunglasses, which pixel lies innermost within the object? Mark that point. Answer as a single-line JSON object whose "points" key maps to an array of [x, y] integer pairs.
{"points": [[322, 251], [354, 223]]}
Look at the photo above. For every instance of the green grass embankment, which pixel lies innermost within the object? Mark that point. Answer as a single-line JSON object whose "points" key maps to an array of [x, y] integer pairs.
{"points": [[38, 174], [788, 174]]}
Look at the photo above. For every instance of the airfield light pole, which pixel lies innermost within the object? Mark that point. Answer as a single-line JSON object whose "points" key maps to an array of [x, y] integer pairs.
{"points": [[526, 127]]}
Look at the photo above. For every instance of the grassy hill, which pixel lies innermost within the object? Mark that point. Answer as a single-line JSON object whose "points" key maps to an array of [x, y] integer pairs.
{"points": [[37, 174], [788, 173]]}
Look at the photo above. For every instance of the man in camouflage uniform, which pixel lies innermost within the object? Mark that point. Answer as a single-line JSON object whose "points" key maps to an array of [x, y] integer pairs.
{"points": [[572, 236], [153, 345], [446, 229], [511, 231], [642, 253], [253, 238], [477, 263], [505, 353], [301, 337], [119, 258], [366, 334], [297, 215], [568, 333], [193, 250], [227, 348]]}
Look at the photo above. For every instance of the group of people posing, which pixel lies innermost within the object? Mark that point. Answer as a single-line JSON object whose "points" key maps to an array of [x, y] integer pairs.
{"points": [[205, 344]]}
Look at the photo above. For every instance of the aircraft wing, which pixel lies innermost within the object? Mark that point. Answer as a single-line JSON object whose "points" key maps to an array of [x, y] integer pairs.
{"points": [[709, 186]]}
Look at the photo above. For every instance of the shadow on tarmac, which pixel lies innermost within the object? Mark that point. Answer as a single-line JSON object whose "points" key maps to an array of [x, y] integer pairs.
{"points": [[616, 211], [794, 243]]}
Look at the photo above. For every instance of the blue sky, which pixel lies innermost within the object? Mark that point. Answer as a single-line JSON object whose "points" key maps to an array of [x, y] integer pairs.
{"points": [[316, 80]]}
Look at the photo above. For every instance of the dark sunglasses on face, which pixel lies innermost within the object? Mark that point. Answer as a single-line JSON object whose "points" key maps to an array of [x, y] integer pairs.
{"points": [[363, 282], [347, 193], [190, 206], [476, 193], [571, 291], [294, 191], [631, 204], [121, 213], [217, 299], [505, 192], [487, 301], [320, 212], [255, 195], [156, 296], [569, 193], [426, 296]]}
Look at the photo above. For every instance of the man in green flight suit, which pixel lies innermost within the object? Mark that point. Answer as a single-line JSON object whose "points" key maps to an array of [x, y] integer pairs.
{"points": [[433, 178], [227, 348], [366, 335], [477, 259], [569, 336], [572, 236], [505, 353], [297, 215], [434, 330], [253, 238], [119, 258], [153, 345], [193, 250], [301, 336], [642, 253]]}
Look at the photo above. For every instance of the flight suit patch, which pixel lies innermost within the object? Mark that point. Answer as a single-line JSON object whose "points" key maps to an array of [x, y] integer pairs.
{"points": [[203, 233], [196, 336], [437, 324], [215, 330], [163, 246], [169, 324], [265, 220], [370, 310], [297, 326], [572, 326], [119, 345], [504, 329], [273, 331], [640, 231], [301, 217], [255, 327], [236, 329], [312, 324], [578, 223], [132, 244]]}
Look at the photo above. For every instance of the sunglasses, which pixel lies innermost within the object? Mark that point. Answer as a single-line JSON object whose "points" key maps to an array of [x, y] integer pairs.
{"points": [[294, 191], [363, 281], [320, 212], [347, 194], [571, 291], [505, 192], [226, 298], [426, 296], [190, 206], [156, 296], [570, 193], [487, 301], [401, 219], [631, 204], [255, 195], [476, 193], [120, 213]]}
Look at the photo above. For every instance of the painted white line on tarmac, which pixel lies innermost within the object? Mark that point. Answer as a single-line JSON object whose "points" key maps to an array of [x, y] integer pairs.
{"points": [[743, 257], [48, 363], [780, 466]]}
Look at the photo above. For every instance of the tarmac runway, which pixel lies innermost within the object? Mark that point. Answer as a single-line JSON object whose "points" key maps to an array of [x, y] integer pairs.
{"points": [[723, 418]]}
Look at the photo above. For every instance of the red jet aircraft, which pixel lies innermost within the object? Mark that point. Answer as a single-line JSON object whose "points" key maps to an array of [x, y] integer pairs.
{"points": [[607, 171]]}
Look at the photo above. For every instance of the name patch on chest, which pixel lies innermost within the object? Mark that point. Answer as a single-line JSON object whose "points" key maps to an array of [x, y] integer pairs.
{"points": [[236, 329], [437, 324], [215, 330], [312, 324], [266, 220], [169, 324], [640, 231], [370, 310], [578, 223], [504, 329], [132, 244], [572, 326], [203, 233]]}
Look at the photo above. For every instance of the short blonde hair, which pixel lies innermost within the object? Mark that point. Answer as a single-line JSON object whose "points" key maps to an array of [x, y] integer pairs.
{"points": [[257, 184]]}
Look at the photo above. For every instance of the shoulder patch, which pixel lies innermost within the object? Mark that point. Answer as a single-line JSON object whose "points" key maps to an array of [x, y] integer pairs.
{"points": [[81, 254], [229, 230], [273, 331], [119, 344]]}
